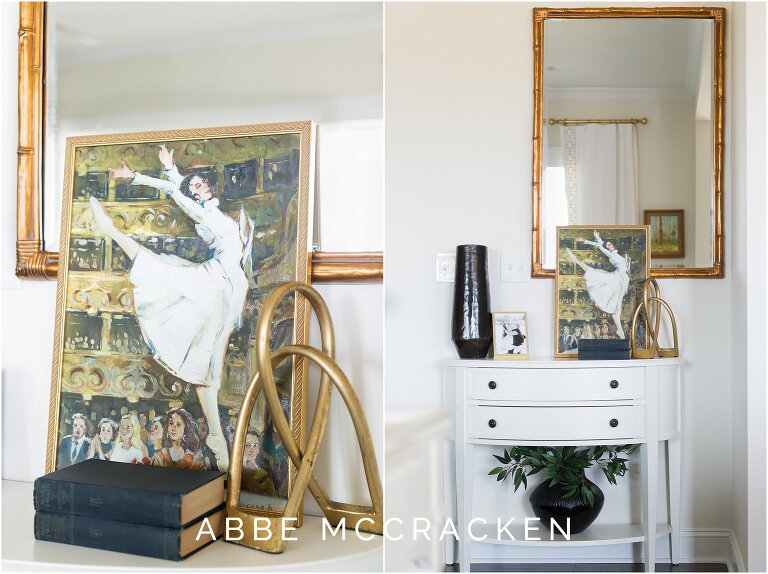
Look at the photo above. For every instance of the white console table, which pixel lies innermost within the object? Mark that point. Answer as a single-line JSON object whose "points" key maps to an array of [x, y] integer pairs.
{"points": [[567, 402]]}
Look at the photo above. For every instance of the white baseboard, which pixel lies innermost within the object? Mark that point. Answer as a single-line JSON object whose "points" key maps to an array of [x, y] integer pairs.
{"points": [[735, 560], [696, 545]]}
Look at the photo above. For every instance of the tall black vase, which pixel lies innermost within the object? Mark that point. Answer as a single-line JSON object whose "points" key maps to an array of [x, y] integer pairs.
{"points": [[471, 325]]}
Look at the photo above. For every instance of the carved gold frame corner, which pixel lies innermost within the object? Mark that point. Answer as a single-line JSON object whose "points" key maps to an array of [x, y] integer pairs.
{"points": [[717, 15], [32, 260]]}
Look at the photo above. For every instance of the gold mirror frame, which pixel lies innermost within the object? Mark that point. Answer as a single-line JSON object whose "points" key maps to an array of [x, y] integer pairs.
{"points": [[32, 261], [715, 14]]}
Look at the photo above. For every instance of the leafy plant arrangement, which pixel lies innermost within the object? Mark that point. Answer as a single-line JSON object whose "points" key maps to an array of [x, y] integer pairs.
{"points": [[563, 466]]}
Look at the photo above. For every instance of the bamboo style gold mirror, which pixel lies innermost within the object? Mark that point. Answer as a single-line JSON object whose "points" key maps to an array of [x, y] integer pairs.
{"points": [[628, 130], [38, 86]]}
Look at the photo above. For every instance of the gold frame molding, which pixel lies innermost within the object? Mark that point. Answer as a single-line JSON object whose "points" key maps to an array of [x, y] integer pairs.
{"points": [[32, 261], [718, 16]]}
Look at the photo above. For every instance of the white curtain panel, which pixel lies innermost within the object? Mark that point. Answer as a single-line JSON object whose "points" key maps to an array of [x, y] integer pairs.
{"points": [[603, 185]]}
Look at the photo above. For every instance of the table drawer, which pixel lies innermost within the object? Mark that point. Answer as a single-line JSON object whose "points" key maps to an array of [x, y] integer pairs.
{"points": [[556, 423], [605, 384]]}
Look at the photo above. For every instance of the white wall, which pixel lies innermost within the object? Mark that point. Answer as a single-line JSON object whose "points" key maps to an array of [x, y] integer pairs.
{"points": [[748, 154], [738, 270], [357, 310], [458, 120]]}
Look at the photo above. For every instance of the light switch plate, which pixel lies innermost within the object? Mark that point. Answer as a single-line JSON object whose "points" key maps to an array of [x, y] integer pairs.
{"points": [[515, 268], [445, 267]]}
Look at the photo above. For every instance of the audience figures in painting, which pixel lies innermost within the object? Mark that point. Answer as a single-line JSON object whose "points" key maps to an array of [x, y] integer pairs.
{"points": [[173, 439], [570, 336]]}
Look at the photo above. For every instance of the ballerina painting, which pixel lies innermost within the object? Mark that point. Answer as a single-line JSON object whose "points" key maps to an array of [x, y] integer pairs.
{"points": [[174, 240], [598, 282], [606, 288], [188, 311]]}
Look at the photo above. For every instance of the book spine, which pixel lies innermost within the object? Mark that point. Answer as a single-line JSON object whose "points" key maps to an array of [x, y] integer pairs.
{"points": [[108, 503], [604, 355], [141, 539]]}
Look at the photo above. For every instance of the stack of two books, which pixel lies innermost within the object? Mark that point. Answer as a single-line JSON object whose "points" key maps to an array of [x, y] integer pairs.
{"points": [[132, 508], [604, 349]]}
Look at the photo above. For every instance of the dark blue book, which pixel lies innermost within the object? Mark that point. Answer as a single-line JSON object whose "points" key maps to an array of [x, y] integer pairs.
{"points": [[604, 355], [142, 539], [137, 493], [604, 344]]}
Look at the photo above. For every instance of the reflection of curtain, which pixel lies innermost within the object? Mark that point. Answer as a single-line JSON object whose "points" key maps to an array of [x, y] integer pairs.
{"points": [[601, 173]]}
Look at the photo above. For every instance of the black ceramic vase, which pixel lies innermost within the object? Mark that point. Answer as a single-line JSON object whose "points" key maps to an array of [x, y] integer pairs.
{"points": [[471, 325], [548, 503]]}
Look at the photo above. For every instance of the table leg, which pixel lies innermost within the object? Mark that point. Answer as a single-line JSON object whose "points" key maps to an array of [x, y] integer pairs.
{"points": [[465, 464], [674, 452], [651, 475], [449, 477]]}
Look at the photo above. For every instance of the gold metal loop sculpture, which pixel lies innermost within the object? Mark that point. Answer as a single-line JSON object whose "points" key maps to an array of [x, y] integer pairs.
{"points": [[365, 518], [652, 294]]}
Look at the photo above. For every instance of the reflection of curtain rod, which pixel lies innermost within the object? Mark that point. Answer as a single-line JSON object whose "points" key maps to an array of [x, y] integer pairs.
{"points": [[553, 121]]}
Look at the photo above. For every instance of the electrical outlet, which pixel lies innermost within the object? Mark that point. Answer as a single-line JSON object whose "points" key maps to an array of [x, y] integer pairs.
{"points": [[515, 268], [445, 267]]}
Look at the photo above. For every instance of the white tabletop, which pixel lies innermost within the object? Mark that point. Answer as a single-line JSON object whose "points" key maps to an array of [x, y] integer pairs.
{"points": [[22, 553], [552, 363]]}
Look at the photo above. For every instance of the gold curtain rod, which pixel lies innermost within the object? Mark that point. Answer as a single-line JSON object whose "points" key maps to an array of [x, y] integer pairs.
{"points": [[562, 122]]}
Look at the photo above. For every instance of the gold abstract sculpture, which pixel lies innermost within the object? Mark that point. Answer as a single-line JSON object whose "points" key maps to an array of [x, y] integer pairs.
{"points": [[365, 518], [652, 294]]}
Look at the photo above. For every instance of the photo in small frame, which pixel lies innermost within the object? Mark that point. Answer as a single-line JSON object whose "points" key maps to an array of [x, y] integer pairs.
{"points": [[510, 335], [667, 229], [599, 283]]}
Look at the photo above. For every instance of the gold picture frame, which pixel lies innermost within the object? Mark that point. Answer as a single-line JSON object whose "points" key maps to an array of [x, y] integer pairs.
{"points": [[661, 221], [32, 260], [600, 275], [197, 272], [717, 15], [510, 335]]}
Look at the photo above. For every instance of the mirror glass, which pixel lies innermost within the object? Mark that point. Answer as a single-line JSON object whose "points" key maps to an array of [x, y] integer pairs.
{"points": [[653, 162], [116, 67]]}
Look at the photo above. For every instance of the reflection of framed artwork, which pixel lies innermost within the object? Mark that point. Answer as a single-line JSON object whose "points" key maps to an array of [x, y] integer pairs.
{"points": [[667, 232], [599, 283], [171, 241], [510, 335]]}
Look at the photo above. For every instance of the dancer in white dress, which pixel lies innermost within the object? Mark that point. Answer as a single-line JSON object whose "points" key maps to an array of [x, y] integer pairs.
{"points": [[606, 288], [188, 311]]}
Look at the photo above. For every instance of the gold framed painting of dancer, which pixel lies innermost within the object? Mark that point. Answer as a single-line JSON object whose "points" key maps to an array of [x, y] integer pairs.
{"points": [[170, 243], [599, 281]]}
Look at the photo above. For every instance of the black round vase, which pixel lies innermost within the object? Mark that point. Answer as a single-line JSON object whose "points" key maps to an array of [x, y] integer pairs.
{"points": [[471, 325], [548, 504]]}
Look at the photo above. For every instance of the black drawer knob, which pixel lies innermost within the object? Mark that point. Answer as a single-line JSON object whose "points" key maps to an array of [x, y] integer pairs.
{"points": [[614, 384], [492, 423], [614, 423], [492, 385]]}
